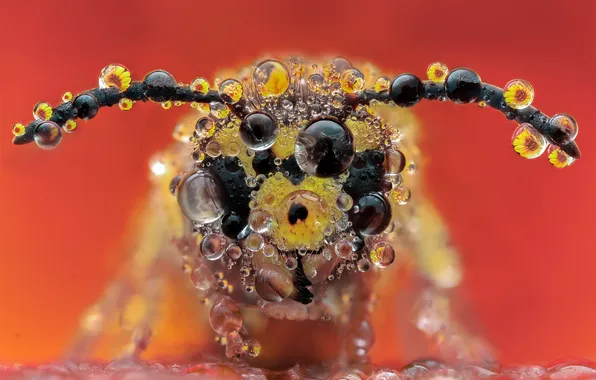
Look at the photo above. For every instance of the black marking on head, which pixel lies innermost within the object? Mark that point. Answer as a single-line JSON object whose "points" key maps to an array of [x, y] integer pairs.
{"points": [[297, 212]]}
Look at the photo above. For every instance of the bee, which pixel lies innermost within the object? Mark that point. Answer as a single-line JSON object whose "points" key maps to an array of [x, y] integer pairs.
{"points": [[288, 201]]}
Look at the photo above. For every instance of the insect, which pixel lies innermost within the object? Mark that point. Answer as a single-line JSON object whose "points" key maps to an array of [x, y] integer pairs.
{"points": [[291, 195]]}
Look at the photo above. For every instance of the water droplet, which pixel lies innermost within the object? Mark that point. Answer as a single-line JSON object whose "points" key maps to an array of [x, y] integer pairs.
{"points": [[344, 202], [325, 148], [200, 85], [566, 124], [254, 242], [518, 94], [335, 67], [558, 158], [363, 265], [401, 194], [269, 250], [213, 246], [437, 72], [161, 86], [225, 316], [383, 84], [219, 110], [351, 81], [125, 104], [47, 135], [272, 284], [42, 111], [201, 278], [271, 78], [316, 82], [234, 252], [253, 348], [528, 142], [166, 105], [394, 162], [213, 149], [258, 131], [18, 129], [70, 126], [382, 254], [230, 91], [67, 97], [260, 221], [371, 214], [200, 196], [116, 76], [343, 248], [291, 262]]}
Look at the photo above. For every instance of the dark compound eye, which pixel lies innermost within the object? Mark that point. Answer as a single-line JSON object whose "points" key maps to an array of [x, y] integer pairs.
{"points": [[463, 85], [325, 148], [258, 131], [201, 197], [371, 215]]}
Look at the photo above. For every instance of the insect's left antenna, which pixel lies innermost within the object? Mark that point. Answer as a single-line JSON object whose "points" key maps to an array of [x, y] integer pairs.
{"points": [[462, 85]]}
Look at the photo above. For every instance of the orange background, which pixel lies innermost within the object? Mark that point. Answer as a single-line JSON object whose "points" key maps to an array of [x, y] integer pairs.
{"points": [[526, 231]]}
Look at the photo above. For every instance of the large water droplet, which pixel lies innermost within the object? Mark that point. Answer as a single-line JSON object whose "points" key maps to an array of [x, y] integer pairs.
{"points": [[201, 197]]}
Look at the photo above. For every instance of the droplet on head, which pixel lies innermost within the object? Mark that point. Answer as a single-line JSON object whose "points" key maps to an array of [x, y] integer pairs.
{"points": [[230, 91], [272, 284], [271, 78], [363, 265], [343, 249], [213, 246], [234, 252], [351, 81], [291, 263], [371, 214], [401, 194], [260, 221], [382, 254], [201, 197], [344, 202], [201, 278], [258, 131], [325, 148], [225, 316], [254, 242]]}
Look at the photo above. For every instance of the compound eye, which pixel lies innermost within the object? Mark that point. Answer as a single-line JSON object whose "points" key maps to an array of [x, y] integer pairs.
{"points": [[325, 148]]}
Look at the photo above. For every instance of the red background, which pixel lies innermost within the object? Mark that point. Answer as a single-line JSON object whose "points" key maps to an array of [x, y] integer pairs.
{"points": [[526, 230]]}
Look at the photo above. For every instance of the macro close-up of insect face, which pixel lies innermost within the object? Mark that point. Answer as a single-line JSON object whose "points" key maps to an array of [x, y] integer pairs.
{"points": [[288, 227]]}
